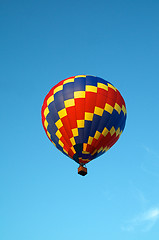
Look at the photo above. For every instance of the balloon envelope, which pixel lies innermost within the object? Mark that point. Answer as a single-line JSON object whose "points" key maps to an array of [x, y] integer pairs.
{"points": [[83, 116]]}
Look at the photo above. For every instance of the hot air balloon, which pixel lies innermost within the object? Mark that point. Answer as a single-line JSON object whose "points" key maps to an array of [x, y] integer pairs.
{"points": [[83, 116]]}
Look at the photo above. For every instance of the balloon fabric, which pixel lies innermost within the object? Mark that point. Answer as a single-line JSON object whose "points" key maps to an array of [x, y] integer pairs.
{"points": [[83, 116]]}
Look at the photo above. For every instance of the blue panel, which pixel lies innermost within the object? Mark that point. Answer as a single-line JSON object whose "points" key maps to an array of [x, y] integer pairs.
{"points": [[87, 128], [91, 157], [79, 84], [115, 119], [99, 154], [53, 112], [75, 157], [50, 118], [111, 121], [81, 134], [79, 154], [54, 138], [101, 80], [91, 80], [59, 100], [78, 147], [68, 91], [122, 126], [95, 123], [85, 156], [80, 137], [52, 129], [119, 121], [104, 120]]}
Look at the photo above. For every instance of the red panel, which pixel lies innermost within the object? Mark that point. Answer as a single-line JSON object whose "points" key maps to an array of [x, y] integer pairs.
{"points": [[65, 148], [50, 94], [119, 99], [111, 101], [80, 108], [98, 144], [90, 148], [66, 145], [111, 93], [65, 138], [106, 140], [70, 153], [83, 161], [102, 91], [90, 102], [67, 127], [71, 113], [100, 101], [94, 143], [114, 140]]}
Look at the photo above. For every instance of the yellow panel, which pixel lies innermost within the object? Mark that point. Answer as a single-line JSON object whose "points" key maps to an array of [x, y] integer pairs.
{"points": [[97, 135], [50, 99], [75, 132], [84, 152], [123, 109], [80, 123], [105, 131], [94, 152], [49, 135], [65, 151], [86, 160], [88, 116], [59, 88], [68, 80], [78, 76], [62, 113], [90, 139], [84, 146], [59, 124], [79, 94], [73, 150], [106, 149], [103, 86], [100, 149], [111, 86], [90, 88], [112, 131], [58, 134], [98, 111], [108, 108], [72, 141], [118, 131], [69, 103], [61, 143], [45, 124], [117, 108], [46, 111]]}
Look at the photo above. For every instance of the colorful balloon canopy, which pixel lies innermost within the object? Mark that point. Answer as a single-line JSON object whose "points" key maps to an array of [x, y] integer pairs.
{"points": [[83, 116]]}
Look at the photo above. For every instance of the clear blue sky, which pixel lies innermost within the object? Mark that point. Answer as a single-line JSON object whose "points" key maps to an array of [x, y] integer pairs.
{"points": [[41, 194]]}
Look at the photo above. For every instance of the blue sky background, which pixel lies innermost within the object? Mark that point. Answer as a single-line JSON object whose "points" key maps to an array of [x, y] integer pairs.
{"points": [[41, 194]]}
